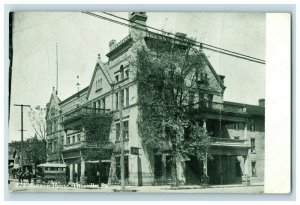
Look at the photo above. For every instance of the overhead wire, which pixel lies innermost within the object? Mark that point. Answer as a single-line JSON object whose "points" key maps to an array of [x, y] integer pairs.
{"points": [[201, 44]]}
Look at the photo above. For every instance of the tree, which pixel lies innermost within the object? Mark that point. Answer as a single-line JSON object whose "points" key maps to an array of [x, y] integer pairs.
{"points": [[169, 71], [34, 151], [38, 122]]}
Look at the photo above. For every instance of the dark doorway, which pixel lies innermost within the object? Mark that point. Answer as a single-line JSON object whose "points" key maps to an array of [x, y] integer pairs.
{"points": [[193, 171], [91, 173], [105, 166]]}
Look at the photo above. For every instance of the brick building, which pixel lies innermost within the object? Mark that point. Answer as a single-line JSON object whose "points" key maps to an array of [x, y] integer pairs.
{"points": [[237, 129]]}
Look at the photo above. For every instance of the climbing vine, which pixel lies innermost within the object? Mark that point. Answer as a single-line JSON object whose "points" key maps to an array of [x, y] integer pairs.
{"points": [[168, 71]]}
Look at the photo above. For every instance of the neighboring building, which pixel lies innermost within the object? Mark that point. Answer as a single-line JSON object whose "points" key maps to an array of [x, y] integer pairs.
{"points": [[14, 155], [238, 129]]}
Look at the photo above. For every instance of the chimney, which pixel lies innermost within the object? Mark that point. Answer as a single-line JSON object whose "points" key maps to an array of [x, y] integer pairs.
{"points": [[261, 102], [138, 19], [112, 44]]}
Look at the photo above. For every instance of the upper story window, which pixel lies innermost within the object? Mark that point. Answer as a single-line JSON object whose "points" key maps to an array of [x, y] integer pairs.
{"points": [[103, 103], [122, 72], [78, 138], [252, 145], [125, 130], [127, 97], [98, 84], [122, 98], [126, 74], [252, 125], [117, 131], [117, 100]]}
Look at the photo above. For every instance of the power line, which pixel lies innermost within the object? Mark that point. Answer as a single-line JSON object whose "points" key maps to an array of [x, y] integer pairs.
{"points": [[207, 46]]}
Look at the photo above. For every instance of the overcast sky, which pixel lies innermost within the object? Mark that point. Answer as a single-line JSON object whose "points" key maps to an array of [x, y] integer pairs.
{"points": [[81, 37]]}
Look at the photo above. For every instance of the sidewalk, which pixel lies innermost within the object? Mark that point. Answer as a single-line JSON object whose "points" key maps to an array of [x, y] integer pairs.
{"points": [[232, 188]]}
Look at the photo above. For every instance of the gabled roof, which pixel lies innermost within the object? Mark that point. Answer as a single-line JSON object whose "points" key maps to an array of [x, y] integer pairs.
{"points": [[104, 68], [213, 71], [74, 95], [54, 98]]}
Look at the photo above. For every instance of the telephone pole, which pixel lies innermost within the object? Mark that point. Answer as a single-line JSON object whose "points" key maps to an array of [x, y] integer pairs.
{"points": [[22, 130], [121, 139]]}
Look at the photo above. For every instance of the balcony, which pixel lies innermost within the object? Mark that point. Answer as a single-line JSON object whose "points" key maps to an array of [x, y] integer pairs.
{"points": [[216, 110], [86, 144], [229, 142], [216, 106], [82, 112]]}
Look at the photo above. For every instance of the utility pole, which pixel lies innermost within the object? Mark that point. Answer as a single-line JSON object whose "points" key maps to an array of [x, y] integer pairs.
{"points": [[22, 130], [121, 139]]}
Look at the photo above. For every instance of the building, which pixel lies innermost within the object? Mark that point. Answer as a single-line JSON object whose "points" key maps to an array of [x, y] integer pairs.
{"points": [[237, 150]]}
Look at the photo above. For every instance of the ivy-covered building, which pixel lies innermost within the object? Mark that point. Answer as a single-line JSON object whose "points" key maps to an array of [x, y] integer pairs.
{"points": [[83, 130]]}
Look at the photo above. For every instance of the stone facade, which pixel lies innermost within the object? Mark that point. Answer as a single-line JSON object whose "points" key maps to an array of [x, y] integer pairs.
{"points": [[233, 158]]}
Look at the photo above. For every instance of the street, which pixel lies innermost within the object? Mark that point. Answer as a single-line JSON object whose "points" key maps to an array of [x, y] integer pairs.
{"points": [[14, 186]]}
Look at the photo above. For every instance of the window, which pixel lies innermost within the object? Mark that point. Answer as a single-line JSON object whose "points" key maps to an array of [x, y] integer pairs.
{"points": [[78, 138], [68, 140], [73, 139], [126, 130], [252, 125], [103, 103], [236, 126], [98, 84], [122, 72], [127, 96], [127, 74], [236, 137], [117, 100], [118, 167], [117, 78], [253, 167], [122, 98], [117, 131], [252, 145]]}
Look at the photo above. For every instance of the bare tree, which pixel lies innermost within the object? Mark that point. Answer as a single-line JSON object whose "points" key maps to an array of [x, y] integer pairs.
{"points": [[38, 122]]}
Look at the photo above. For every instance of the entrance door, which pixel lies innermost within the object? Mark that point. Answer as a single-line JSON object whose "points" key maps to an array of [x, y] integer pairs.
{"points": [[193, 171], [105, 166]]}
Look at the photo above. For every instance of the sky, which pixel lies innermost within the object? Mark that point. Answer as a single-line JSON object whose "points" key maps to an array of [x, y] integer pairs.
{"points": [[80, 38]]}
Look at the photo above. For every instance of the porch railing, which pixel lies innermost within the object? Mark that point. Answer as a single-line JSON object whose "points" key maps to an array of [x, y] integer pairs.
{"points": [[84, 111], [208, 105]]}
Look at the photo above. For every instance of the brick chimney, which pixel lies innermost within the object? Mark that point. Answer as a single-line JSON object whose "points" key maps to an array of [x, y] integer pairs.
{"points": [[138, 18], [261, 102]]}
